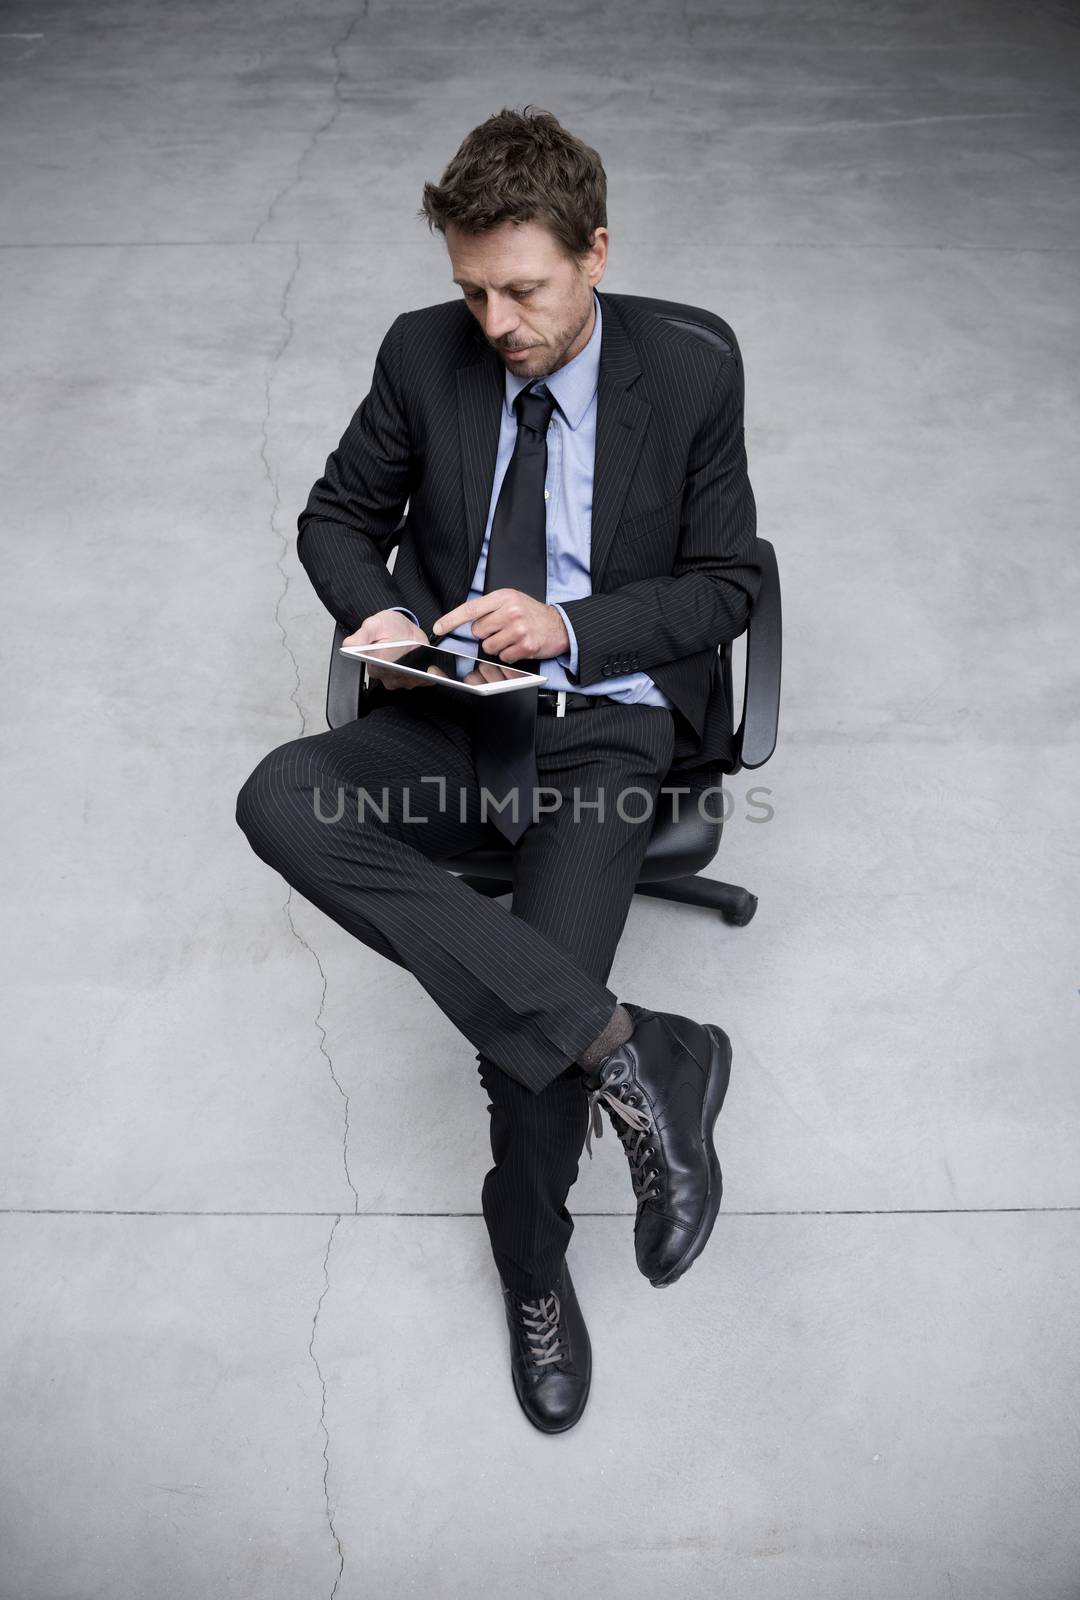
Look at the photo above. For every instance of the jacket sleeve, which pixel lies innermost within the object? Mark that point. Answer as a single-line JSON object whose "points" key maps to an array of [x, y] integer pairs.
{"points": [[347, 530], [709, 596]]}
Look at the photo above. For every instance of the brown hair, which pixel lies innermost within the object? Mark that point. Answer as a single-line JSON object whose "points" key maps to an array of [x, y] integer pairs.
{"points": [[515, 167]]}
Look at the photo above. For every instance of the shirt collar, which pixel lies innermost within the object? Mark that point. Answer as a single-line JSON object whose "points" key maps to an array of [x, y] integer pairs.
{"points": [[573, 385]]}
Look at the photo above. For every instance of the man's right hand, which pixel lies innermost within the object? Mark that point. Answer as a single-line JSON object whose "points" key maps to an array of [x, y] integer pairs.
{"points": [[386, 625]]}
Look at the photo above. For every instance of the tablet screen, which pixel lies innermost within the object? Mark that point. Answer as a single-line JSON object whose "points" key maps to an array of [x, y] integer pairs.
{"points": [[455, 668]]}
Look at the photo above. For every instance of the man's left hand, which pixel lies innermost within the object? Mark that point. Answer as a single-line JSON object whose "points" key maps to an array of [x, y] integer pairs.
{"points": [[510, 625]]}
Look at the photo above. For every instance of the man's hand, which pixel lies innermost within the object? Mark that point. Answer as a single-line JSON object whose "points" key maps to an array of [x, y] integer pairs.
{"points": [[511, 625], [389, 625]]}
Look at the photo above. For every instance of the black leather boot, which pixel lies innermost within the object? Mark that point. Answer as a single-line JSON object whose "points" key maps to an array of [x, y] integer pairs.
{"points": [[550, 1355], [663, 1089]]}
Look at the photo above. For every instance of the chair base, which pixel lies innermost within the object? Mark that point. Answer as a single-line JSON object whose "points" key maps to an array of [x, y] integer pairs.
{"points": [[735, 905]]}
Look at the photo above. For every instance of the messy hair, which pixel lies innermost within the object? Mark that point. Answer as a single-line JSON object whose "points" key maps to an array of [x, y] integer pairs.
{"points": [[515, 168]]}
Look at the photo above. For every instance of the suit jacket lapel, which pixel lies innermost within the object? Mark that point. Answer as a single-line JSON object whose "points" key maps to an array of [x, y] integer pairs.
{"points": [[621, 420], [481, 387]]}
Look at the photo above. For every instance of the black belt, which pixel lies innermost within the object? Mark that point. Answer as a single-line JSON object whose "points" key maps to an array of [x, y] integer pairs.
{"points": [[547, 701]]}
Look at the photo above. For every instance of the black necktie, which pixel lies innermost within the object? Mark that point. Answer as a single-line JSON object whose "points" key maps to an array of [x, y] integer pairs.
{"points": [[504, 743]]}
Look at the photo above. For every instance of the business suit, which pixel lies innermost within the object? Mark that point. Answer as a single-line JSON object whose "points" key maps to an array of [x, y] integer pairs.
{"points": [[673, 573]]}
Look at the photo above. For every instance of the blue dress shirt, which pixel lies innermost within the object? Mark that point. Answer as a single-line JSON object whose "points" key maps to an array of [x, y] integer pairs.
{"points": [[568, 486]]}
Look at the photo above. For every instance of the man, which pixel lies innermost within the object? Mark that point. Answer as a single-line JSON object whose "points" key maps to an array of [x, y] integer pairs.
{"points": [[594, 454]]}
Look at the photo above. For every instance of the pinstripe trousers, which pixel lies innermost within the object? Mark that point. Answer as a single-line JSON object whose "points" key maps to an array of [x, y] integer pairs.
{"points": [[357, 819]]}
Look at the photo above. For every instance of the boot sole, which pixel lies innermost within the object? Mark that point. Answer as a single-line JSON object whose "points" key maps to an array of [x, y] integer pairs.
{"points": [[716, 1088]]}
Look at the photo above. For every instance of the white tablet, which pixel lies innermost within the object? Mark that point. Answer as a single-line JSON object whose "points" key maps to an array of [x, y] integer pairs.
{"points": [[436, 665]]}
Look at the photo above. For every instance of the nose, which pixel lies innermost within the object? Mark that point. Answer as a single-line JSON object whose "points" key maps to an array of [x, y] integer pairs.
{"points": [[500, 320]]}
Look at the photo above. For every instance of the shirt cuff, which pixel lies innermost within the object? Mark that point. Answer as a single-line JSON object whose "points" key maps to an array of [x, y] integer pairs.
{"points": [[569, 661], [407, 612]]}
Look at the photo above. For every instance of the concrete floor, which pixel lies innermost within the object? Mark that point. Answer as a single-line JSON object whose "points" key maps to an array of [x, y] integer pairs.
{"points": [[252, 1343]]}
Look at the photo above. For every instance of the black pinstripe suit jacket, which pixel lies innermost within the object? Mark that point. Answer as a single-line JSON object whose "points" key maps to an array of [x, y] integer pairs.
{"points": [[673, 563]]}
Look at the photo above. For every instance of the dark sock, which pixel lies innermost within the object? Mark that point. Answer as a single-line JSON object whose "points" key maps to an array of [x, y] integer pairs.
{"points": [[620, 1027]]}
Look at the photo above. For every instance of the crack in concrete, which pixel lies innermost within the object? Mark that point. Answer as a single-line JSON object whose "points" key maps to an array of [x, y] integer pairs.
{"points": [[299, 937], [323, 128], [322, 1411], [871, 124], [272, 480]]}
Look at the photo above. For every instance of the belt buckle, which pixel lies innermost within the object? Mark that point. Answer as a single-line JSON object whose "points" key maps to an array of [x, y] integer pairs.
{"points": [[560, 702]]}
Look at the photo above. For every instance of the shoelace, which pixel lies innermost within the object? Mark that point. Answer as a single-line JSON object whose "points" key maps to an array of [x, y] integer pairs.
{"points": [[541, 1320], [638, 1144]]}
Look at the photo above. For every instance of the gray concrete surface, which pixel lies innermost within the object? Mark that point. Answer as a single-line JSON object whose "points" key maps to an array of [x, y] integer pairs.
{"points": [[251, 1340]]}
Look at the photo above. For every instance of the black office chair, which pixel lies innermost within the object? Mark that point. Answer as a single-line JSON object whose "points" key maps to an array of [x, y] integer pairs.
{"points": [[677, 850]]}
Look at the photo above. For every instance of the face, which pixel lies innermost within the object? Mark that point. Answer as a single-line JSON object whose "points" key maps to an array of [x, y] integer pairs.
{"points": [[534, 305]]}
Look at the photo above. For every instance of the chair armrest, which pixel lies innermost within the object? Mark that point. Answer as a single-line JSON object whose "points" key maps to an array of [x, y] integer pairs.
{"points": [[347, 679], [344, 685], [755, 737]]}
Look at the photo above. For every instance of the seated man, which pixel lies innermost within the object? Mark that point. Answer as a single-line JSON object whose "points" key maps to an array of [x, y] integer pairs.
{"points": [[578, 497]]}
